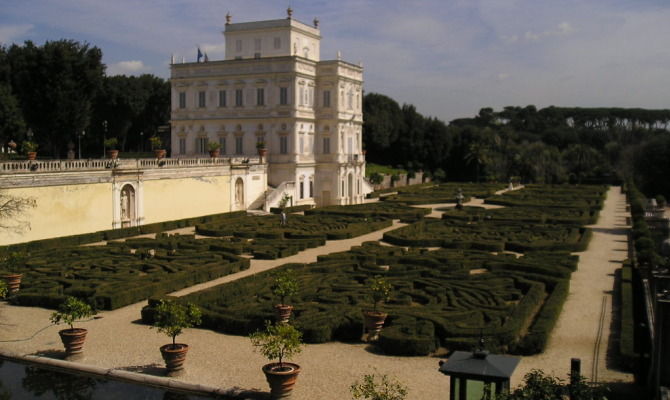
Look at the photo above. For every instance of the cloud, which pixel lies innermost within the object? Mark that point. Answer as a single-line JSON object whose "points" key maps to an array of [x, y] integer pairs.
{"points": [[10, 33], [131, 67]]}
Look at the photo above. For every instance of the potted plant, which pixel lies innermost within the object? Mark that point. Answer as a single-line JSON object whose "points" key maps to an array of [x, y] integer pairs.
{"points": [[73, 338], [157, 146], [213, 149], [172, 318], [30, 148], [3, 289], [262, 150], [10, 275], [279, 342], [380, 290], [371, 389], [284, 285], [111, 145]]}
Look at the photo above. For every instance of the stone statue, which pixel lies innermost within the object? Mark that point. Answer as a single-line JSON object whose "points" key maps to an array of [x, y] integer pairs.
{"points": [[124, 205]]}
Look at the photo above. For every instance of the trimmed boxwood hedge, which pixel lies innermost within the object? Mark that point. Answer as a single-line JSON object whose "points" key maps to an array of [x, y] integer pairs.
{"points": [[436, 299], [441, 193], [113, 276]]}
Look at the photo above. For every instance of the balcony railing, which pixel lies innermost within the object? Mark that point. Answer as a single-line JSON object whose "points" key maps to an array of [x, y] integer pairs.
{"points": [[45, 166]]}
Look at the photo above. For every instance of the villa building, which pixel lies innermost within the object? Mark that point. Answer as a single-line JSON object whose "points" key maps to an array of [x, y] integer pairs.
{"points": [[273, 90]]}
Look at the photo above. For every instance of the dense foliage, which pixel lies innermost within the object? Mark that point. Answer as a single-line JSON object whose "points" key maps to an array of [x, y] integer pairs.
{"points": [[550, 145], [59, 91]]}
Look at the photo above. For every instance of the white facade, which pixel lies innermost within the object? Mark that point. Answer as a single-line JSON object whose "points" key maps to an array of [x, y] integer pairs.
{"points": [[273, 87]]}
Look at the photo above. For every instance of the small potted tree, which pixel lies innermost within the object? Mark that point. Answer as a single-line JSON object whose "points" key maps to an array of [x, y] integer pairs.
{"points": [[172, 318], [73, 338], [380, 290], [284, 285], [157, 147], [111, 145], [3, 289], [262, 150], [383, 389], [30, 148], [279, 342], [214, 149], [11, 271]]}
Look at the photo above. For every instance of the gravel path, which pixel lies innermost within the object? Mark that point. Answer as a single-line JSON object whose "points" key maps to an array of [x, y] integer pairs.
{"points": [[117, 340]]}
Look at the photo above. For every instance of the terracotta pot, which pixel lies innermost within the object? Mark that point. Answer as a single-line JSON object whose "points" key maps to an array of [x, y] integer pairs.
{"points": [[262, 152], [13, 282], [281, 379], [159, 153], [113, 154], [174, 358], [283, 312], [214, 153], [32, 155], [73, 340], [374, 321]]}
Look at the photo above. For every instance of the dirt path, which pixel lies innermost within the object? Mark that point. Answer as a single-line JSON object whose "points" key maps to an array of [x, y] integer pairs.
{"points": [[583, 328], [118, 341]]}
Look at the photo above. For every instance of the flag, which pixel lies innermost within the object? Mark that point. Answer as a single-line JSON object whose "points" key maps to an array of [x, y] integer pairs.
{"points": [[199, 54], [206, 58]]}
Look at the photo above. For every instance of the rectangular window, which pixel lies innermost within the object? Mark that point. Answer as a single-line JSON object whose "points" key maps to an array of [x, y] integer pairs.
{"points": [[238, 98], [182, 99], [326, 98], [239, 149], [283, 96], [283, 144], [238, 45], [302, 145], [260, 97], [311, 188], [202, 99], [222, 98], [302, 190], [257, 44], [310, 96], [201, 145], [326, 145], [182, 146], [257, 55], [222, 144], [350, 100], [277, 42], [302, 95]]}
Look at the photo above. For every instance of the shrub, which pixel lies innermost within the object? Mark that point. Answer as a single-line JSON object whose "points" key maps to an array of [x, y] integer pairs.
{"points": [[71, 310], [278, 342], [171, 318], [372, 389]]}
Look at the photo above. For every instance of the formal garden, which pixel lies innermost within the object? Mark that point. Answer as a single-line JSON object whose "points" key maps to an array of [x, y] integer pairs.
{"points": [[502, 274]]}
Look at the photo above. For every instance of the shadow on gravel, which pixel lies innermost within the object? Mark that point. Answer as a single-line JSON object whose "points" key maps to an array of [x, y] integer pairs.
{"points": [[611, 231], [51, 353], [149, 369]]}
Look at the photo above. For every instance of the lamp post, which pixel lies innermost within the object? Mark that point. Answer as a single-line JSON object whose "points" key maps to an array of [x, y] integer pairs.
{"points": [[83, 133], [104, 137], [141, 141]]}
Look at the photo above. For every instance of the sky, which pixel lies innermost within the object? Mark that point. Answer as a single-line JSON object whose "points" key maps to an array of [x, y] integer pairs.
{"points": [[449, 58]]}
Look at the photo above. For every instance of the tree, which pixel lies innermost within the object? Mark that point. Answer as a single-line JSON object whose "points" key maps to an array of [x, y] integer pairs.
{"points": [[12, 125], [537, 385], [382, 123], [12, 209], [55, 84], [172, 318], [372, 389]]}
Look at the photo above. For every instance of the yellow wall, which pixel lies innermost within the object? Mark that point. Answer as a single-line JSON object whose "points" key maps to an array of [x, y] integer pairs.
{"points": [[169, 199], [63, 211]]}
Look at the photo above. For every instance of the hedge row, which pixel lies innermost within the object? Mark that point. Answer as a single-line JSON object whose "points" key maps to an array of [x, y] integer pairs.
{"points": [[369, 210], [585, 197], [288, 210], [571, 216], [111, 234], [490, 235], [627, 322], [436, 299], [112, 276], [442, 193]]}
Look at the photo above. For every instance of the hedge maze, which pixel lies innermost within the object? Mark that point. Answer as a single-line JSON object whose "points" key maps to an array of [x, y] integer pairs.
{"points": [[442, 193], [122, 273], [441, 298]]}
